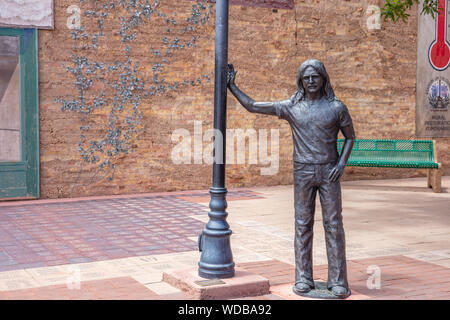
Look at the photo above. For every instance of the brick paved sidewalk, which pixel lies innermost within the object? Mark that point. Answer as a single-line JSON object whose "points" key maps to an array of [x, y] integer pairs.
{"points": [[48, 233], [401, 278], [117, 247]]}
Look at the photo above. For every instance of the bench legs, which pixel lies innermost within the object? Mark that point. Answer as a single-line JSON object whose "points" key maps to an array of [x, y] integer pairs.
{"points": [[434, 178]]}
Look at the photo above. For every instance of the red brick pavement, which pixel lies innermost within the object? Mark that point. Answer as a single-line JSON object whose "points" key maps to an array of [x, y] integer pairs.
{"points": [[401, 277], [123, 288], [56, 232], [47, 233]]}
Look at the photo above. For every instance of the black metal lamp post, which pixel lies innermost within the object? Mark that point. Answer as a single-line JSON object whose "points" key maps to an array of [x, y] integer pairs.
{"points": [[216, 260]]}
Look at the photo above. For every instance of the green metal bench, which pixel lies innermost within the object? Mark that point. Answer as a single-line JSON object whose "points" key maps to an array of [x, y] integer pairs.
{"points": [[419, 154]]}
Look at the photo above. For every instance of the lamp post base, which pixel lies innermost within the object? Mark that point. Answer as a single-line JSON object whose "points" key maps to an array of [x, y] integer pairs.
{"points": [[217, 271], [216, 261]]}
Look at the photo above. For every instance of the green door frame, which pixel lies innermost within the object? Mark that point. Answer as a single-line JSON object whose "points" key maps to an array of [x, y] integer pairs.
{"points": [[21, 179]]}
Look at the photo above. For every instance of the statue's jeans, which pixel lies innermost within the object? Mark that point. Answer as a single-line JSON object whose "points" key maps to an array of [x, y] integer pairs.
{"points": [[308, 179]]}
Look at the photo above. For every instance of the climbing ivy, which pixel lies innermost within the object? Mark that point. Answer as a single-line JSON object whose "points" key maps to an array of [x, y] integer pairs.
{"points": [[118, 88]]}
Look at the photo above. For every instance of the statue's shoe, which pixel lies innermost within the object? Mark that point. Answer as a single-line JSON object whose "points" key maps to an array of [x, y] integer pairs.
{"points": [[340, 292], [302, 287]]}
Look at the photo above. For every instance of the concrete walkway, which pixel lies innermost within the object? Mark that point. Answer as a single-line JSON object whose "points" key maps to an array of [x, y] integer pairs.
{"points": [[397, 233]]}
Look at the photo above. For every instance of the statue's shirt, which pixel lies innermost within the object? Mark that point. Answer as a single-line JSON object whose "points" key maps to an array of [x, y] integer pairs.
{"points": [[315, 128]]}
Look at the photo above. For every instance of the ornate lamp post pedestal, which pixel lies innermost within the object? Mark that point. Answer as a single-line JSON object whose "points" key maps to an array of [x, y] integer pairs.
{"points": [[216, 260]]}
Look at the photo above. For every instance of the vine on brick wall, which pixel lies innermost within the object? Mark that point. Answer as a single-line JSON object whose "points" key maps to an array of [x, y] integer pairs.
{"points": [[117, 89]]}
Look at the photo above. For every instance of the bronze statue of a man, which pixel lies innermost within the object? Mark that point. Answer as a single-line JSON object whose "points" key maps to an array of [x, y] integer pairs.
{"points": [[315, 116]]}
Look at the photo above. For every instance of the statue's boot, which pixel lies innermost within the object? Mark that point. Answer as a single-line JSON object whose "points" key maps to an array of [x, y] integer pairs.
{"points": [[301, 287], [340, 292]]}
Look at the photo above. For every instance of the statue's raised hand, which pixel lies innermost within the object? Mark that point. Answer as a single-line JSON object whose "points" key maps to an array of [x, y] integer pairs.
{"points": [[231, 75]]}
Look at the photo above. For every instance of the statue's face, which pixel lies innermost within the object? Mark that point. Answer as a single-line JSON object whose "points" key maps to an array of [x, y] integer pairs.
{"points": [[312, 81]]}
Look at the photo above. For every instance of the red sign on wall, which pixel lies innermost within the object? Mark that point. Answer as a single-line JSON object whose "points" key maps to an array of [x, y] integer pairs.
{"points": [[439, 52]]}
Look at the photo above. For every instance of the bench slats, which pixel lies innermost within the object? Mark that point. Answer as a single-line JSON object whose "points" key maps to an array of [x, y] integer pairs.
{"points": [[391, 153]]}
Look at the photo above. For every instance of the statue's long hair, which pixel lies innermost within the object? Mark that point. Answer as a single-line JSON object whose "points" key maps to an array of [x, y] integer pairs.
{"points": [[327, 90]]}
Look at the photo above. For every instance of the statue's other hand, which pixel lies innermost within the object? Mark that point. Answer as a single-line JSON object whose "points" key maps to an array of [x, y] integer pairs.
{"points": [[231, 74], [336, 172]]}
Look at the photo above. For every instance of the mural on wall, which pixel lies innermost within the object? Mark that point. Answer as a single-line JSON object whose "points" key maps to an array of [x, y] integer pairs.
{"points": [[109, 95], [433, 75], [114, 91]]}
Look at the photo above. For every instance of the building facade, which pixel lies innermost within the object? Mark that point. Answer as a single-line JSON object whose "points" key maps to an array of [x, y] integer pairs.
{"points": [[116, 97]]}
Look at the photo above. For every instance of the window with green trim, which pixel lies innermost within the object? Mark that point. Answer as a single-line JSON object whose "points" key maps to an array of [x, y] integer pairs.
{"points": [[19, 128]]}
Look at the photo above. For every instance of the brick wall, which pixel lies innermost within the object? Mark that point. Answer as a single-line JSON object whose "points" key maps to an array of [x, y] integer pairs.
{"points": [[372, 72]]}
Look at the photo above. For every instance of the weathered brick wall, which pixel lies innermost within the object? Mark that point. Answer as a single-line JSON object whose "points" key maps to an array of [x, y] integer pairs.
{"points": [[372, 72]]}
